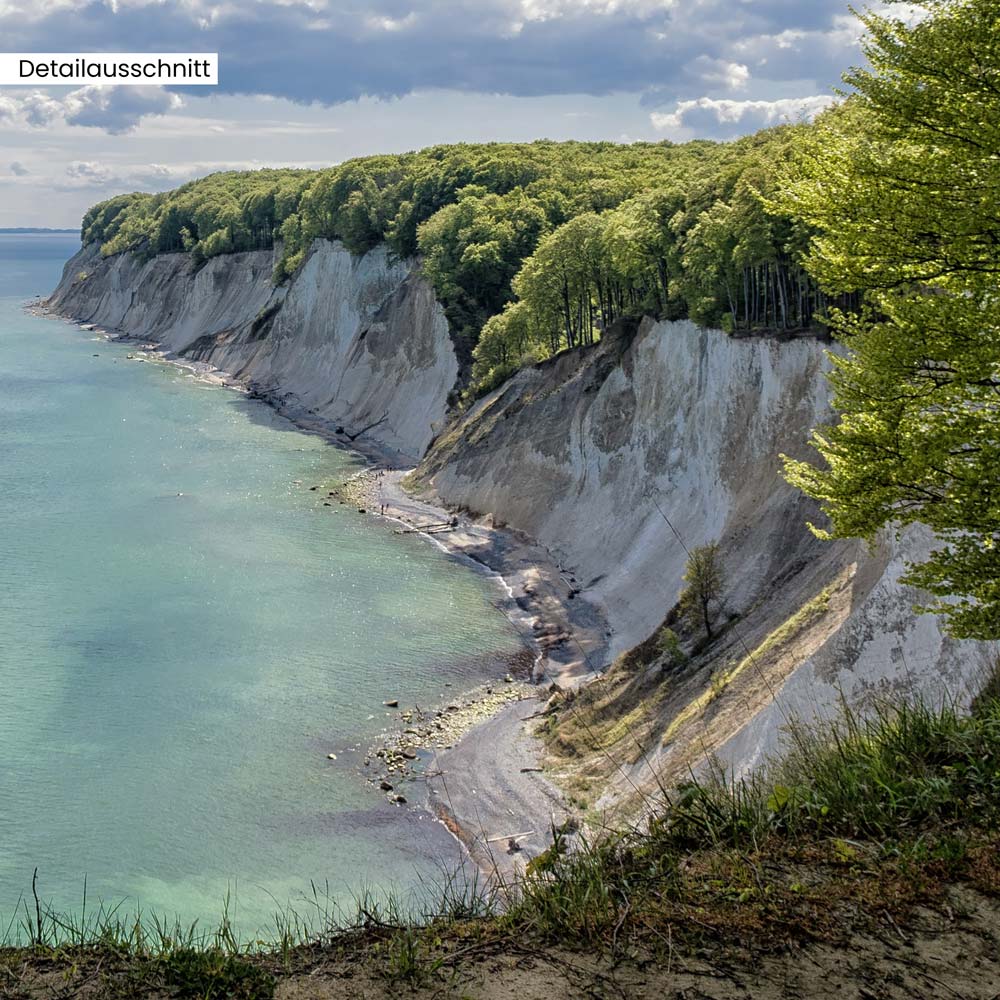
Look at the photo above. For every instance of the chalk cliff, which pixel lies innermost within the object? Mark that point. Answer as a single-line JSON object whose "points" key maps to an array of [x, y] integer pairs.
{"points": [[617, 459], [667, 436], [350, 341]]}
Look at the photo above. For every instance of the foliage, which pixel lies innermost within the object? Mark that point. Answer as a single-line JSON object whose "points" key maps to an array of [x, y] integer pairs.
{"points": [[531, 248], [669, 646], [704, 581], [471, 250], [904, 786], [214, 975], [902, 185], [703, 241], [893, 775], [221, 213]]}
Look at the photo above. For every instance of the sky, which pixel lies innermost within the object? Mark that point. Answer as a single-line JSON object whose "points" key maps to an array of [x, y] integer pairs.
{"points": [[314, 82]]}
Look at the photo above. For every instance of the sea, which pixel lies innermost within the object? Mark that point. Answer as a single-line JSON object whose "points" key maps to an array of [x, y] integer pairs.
{"points": [[187, 633]]}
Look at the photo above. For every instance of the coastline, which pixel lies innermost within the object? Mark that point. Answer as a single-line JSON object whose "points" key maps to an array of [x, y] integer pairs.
{"points": [[487, 785], [490, 788]]}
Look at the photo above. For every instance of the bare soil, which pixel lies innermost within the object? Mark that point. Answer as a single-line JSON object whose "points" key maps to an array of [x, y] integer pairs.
{"points": [[949, 951]]}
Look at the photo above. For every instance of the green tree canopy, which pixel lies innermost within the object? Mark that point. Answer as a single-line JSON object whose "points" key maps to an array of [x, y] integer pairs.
{"points": [[704, 582], [902, 185], [577, 234]]}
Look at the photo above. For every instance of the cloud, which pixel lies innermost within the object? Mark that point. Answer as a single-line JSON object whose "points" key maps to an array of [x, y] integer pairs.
{"points": [[95, 174], [329, 51], [399, 74], [39, 110], [728, 75], [796, 54], [129, 177], [18, 169], [116, 110], [723, 119], [88, 172]]}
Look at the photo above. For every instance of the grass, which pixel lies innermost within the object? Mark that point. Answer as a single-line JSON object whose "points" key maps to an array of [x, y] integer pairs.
{"points": [[864, 816], [910, 785], [802, 618], [890, 776], [894, 803], [616, 712]]}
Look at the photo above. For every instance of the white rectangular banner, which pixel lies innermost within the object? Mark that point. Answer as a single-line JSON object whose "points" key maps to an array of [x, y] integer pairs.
{"points": [[47, 69]]}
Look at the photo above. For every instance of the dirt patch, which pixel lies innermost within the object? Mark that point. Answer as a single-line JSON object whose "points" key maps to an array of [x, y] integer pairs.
{"points": [[948, 951]]}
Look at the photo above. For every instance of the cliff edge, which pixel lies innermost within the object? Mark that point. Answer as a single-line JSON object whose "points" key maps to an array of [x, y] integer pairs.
{"points": [[350, 341], [621, 459], [618, 459]]}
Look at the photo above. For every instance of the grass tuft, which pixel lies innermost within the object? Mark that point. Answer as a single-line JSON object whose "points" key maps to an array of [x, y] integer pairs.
{"points": [[214, 975], [904, 790], [888, 776], [872, 815]]}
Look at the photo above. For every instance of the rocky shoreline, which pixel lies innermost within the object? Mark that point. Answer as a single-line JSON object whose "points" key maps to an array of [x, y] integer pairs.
{"points": [[566, 640], [404, 752], [569, 635], [477, 755], [489, 787]]}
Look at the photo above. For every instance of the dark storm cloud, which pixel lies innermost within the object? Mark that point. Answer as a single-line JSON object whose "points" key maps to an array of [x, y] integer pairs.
{"points": [[333, 51]]}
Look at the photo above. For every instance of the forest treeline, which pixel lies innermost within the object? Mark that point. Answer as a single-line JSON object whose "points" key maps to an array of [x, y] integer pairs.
{"points": [[531, 248], [890, 202]]}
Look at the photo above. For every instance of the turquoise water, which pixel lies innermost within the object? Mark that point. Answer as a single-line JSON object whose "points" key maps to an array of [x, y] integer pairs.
{"points": [[186, 632]]}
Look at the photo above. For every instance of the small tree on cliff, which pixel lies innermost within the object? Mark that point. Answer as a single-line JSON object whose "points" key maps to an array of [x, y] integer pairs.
{"points": [[701, 597]]}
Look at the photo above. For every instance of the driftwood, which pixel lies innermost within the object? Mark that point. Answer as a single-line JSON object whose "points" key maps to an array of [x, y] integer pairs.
{"points": [[430, 529]]}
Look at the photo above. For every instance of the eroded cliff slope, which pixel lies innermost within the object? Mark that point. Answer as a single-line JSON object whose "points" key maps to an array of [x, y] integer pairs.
{"points": [[350, 341], [619, 459], [666, 436]]}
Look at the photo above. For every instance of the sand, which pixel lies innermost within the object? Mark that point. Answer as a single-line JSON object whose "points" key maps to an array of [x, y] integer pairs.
{"points": [[488, 787]]}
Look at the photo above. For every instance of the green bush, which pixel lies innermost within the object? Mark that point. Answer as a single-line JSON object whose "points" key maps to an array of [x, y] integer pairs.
{"points": [[214, 975]]}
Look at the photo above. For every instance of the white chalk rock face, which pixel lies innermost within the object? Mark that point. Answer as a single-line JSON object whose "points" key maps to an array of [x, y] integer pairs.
{"points": [[622, 458], [618, 459], [880, 653], [350, 341], [588, 452]]}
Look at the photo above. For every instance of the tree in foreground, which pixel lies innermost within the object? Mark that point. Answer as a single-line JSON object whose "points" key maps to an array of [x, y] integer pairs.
{"points": [[902, 183], [704, 581]]}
